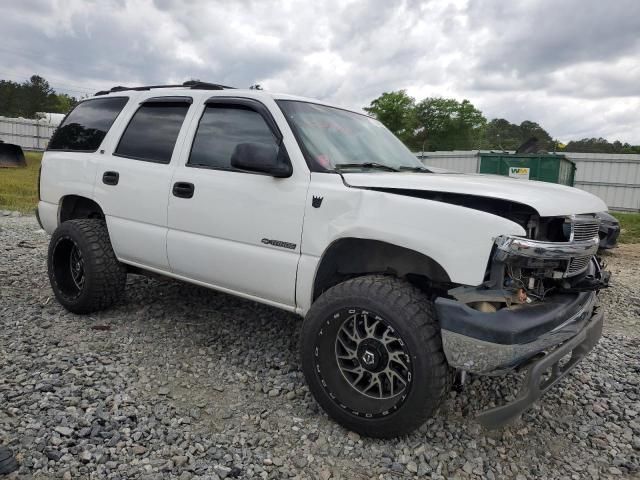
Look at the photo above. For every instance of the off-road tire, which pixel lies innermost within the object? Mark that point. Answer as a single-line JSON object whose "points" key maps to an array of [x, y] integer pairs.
{"points": [[103, 276], [8, 462], [412, 315]]}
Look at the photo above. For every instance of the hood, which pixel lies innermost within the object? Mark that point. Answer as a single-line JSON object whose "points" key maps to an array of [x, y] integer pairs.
{"points": [[548, 199]]}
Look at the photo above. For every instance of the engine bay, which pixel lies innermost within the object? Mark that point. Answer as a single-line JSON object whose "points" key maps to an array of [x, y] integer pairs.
{"points": [[558, 256]]}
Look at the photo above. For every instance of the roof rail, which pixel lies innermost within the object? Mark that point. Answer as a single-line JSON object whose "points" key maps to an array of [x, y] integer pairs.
{"points": [[198, 85], [192, 84]]}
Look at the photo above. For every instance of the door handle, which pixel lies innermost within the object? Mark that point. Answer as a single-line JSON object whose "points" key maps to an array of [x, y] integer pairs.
{"points": [[183, 189], [110, 178]]}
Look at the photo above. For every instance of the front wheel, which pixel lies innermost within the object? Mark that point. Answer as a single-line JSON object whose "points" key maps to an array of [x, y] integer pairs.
{"points": [[372, 356], [84, 272]]}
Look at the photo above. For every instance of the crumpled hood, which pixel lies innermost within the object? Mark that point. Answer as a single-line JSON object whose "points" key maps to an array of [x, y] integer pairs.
{"points": [[548, 199]]}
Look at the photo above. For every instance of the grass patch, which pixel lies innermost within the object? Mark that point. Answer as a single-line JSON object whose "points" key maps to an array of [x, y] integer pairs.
{"points": [[19, 186], [630, 225]]}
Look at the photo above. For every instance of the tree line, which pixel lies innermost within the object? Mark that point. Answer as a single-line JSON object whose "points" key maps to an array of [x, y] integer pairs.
{"points": [[34, 95], [426, 125], [448, 124]]}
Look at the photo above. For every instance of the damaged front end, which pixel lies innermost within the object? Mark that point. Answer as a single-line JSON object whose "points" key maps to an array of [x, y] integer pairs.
{"points": [[538, 304]]}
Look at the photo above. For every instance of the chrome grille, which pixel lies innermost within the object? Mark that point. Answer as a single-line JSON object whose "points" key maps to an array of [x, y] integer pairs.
{"points": [[577, 265], [584, 228]]}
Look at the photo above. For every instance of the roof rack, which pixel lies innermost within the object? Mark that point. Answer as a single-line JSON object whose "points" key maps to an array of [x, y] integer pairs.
{"points": [[192, 84]]}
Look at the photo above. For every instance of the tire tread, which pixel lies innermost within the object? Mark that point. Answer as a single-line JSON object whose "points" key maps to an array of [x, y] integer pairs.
{"points": [[108, 275], [419, 314]]}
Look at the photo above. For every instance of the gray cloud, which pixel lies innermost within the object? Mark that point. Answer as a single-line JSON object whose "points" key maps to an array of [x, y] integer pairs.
{"points": [[572, 66], [532, 37]]}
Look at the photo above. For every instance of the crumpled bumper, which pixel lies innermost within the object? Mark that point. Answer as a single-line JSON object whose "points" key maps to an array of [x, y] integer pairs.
{"points": [[493, 343], [546, 372], [537, 336]]}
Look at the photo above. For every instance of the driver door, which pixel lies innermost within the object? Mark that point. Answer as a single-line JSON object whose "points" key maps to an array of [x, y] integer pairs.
{"points": [[236, 231]]}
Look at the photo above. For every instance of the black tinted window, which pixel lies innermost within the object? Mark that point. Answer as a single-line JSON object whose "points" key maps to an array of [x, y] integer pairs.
{"points": [[86, 126], [152, 132], [221, 129]]}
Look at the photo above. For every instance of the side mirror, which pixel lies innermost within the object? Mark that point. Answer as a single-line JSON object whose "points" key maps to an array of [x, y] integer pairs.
{"points": [[262, 158]]}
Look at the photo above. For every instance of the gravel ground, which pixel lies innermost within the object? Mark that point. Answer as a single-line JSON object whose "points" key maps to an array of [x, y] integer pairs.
{"points": [[182, 382]]}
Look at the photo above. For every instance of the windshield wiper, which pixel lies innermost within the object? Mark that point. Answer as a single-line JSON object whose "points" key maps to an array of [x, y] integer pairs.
{"points": [[415, 169], [379, 166]]}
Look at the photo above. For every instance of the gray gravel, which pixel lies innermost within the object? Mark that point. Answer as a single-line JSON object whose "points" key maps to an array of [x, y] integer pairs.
{"points": [[181, 382]]}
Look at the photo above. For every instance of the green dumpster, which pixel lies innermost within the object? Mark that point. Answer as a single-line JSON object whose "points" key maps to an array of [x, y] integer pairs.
{"points": [[530, 166]]}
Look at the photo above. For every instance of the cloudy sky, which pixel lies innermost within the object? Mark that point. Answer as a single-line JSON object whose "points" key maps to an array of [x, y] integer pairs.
{"points": [[571, 65]]}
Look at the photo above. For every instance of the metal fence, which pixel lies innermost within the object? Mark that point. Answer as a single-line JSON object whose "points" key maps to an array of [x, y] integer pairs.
{"points": [[29, 134], [465, 161], [613, 177]]}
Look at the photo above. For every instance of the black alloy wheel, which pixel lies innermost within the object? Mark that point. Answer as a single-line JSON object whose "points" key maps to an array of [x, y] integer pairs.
{"points": [[84, 272], [372, 355]]}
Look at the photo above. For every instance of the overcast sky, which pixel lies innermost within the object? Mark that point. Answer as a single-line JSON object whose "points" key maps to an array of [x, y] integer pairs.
{"points": [[571, 65]]}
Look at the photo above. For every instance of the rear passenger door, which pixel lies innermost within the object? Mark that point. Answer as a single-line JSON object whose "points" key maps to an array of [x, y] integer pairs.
{"points": [[238, 231], [133, 178], [70, 162]]}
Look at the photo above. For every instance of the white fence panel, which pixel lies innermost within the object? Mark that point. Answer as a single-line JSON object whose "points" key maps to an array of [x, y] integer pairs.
{"points": [[613, 177], [29, 134], [459, 161]]}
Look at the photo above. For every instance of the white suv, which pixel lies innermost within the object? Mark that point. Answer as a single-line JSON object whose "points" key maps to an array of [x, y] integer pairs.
{"points": [[402, 275]]}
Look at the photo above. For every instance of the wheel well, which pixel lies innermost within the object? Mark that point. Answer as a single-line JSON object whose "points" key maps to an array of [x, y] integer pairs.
{"points": [[74, 206], [353, 257]]}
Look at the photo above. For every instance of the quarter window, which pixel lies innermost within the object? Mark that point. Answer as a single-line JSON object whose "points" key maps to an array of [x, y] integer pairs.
{"points": [[152, 132], [87, 124], [221, 129]]}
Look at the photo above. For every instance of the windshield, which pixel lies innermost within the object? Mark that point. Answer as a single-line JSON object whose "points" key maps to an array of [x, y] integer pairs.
{"points": [[333, 139]]}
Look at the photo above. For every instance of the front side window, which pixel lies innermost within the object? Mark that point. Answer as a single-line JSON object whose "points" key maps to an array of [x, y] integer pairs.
{"points": [[87, 124], [333, 139], [221, 129], [152, 132]]}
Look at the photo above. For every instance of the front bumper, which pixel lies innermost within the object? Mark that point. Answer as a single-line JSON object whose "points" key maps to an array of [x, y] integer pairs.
{"points": [[536, 336], [493, 343], [575, 334]]}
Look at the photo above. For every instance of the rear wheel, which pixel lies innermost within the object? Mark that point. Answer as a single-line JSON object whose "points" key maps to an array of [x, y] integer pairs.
{"points": [[372, 356], [84, 272]]}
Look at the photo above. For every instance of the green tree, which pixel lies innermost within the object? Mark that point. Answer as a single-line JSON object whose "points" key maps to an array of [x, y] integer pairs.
{"points": [[64, 103], [396, 111], [600, 145], [502, 134], [446, 124], [471, 124], [35, 95], [9, 99], [532, 129]]}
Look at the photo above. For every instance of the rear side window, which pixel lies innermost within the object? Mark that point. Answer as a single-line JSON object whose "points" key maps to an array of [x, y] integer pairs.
{"points": [[153, 131], [221, 129], [87, 124]]}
